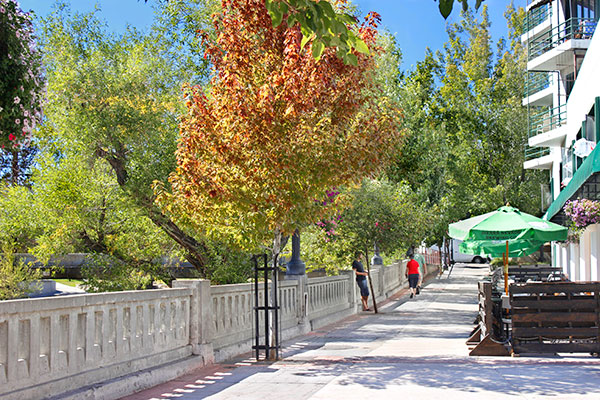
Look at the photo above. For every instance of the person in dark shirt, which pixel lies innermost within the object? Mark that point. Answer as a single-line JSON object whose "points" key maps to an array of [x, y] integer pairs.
{"points": [[361, 279]]}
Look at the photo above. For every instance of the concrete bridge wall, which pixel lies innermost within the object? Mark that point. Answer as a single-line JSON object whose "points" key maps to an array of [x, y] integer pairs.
{"points": [[65, 346]]}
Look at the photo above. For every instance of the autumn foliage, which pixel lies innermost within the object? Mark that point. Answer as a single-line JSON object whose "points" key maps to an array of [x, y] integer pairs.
{"points": [[276, 129]]}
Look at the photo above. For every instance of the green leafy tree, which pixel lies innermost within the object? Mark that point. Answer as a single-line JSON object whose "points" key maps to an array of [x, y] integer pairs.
{"points": [[16, 278], [385, 214], [464, 148], [19, 219], [118, 99], [446, 6]]}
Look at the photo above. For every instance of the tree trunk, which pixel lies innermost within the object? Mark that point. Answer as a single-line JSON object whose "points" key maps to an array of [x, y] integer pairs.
{"points": [[196, 250], [273, 330], [369, 278]]}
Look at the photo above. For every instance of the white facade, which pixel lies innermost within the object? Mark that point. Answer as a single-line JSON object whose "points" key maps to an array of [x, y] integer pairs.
{"points": [[563, 83]]}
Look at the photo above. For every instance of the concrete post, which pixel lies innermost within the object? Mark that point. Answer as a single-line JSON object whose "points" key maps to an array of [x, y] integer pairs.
{"points": [[302, 299], [574, 262], [352, 289], [201, 317], [584, 256], [381, 280], [594, 254]]}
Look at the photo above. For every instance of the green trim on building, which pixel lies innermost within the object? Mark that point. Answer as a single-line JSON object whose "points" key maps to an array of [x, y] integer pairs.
{"points": [[589, 166]]}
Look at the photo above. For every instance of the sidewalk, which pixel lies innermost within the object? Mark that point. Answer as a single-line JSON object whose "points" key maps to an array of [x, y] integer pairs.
{"points": [[412, 349]]}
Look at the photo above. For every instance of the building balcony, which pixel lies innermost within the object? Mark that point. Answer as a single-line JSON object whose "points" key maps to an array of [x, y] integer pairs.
{"points": [[547, 120], [539, 89], [553, 49], [537, 158], [536, 16]]}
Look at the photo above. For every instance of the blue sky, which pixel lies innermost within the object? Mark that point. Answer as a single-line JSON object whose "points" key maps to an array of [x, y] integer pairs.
{"points": [[416, 24]]}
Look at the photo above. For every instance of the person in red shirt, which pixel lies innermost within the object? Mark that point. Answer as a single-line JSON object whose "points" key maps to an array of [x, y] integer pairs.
{"points": [[412, 273]]}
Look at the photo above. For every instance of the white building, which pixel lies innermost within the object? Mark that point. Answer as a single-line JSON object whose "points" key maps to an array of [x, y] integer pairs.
{"points": [[563, 99]]}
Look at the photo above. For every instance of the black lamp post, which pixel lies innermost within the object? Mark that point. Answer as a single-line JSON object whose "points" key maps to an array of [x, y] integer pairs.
{"points": [[295, 266]]}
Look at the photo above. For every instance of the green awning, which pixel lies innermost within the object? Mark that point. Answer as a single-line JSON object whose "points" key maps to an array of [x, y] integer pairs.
{"points": [[589, 166]]}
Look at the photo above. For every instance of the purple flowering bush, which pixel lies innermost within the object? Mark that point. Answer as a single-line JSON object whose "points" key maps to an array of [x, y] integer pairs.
{"points": [[329, 225], [581, 212], [21, 83]]}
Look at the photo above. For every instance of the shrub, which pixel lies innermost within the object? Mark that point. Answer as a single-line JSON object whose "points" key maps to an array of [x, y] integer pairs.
{"points": [[16, 278], [110, 274]]}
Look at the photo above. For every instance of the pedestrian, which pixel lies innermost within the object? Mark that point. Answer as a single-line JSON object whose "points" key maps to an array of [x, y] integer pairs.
{"points": [[412, 273], [422, 267], [361, 279]]}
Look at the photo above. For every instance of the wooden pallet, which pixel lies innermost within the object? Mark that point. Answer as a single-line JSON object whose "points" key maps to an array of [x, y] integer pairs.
{"points": [[555, 317]]}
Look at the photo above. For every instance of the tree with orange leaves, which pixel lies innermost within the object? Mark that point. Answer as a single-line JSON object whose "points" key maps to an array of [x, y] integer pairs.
{"points": [[276, 129]]}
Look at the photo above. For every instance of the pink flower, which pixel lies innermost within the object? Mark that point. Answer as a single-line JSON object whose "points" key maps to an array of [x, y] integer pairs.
{"points": [[17, 100]]}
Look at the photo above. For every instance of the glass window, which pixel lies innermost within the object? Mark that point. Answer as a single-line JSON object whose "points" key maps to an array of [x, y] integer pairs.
{"points": [[567, 166]]}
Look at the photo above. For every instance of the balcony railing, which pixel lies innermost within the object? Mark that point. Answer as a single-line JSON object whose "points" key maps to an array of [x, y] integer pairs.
{"points": [[535, 152], [547, 120], [574, 28], [535, 82], [537, 16]]}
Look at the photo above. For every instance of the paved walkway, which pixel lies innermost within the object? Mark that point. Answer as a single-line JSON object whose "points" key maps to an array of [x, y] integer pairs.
{"points": [[412, 349]]}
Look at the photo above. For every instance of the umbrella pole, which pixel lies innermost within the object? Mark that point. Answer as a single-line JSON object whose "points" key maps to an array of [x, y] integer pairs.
{"points": [[506, 269]]}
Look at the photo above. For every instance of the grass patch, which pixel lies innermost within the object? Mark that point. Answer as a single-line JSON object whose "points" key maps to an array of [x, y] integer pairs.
{"points": [[69, 282]]}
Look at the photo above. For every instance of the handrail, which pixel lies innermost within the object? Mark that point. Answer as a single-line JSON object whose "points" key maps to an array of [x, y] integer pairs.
{"points": [[532, 153], [535, 82], [536, 16], [547, 120], [574, 28]]}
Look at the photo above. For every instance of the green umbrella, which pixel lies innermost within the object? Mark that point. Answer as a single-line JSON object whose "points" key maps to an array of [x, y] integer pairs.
{"points": [[507, 223], [497, 248]]}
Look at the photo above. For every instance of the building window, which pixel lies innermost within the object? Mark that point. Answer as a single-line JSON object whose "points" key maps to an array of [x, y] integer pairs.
{"points": [[567, 166]]}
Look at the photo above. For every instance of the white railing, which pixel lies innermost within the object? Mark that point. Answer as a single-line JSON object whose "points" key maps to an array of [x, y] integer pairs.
{"points": [[81, 337], [328, 295], [393, 276], [50, 346], [233, 313]]}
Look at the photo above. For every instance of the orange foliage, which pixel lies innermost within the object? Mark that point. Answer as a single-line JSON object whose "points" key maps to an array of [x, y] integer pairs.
{"points": [[276, 129]]}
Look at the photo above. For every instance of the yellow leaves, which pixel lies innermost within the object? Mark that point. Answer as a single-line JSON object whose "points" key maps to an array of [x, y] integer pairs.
{"points": [[289, 111], [275, 131]]}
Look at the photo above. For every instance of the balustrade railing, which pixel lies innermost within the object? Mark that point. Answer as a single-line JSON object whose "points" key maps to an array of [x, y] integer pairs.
{"points": [[326, 294], [49, 346], [535, 82], [47, 339]]}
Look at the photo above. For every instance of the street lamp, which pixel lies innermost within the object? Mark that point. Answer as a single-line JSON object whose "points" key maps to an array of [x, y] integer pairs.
{"points": [[295, 266], [376, 260]]}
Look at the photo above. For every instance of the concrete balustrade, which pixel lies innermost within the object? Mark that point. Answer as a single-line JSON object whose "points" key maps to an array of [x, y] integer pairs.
{"points": [[65, 346], [54, 345]]}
